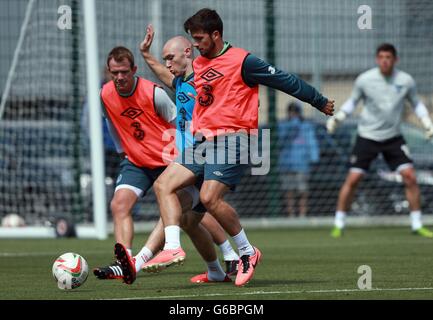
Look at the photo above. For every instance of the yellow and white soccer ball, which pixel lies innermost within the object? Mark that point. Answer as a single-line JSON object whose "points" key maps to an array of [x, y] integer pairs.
{"points": [[70, 270]]}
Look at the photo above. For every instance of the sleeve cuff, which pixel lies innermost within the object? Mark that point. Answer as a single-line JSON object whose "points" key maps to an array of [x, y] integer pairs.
{"points": [[320, 103]]}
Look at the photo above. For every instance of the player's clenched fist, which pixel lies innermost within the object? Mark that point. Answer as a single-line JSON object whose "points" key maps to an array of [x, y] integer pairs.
{"points": [[329, 108]]}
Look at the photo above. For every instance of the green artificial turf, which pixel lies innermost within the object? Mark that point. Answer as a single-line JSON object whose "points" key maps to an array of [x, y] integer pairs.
{"points": [[296, 264]]}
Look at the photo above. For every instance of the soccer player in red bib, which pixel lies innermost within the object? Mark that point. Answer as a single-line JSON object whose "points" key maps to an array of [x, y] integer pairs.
{"points": [[177, 74], [226, 80]]}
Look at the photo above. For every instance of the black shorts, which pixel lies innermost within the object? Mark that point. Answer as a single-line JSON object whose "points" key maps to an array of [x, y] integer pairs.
{"points": [[394, 151]]}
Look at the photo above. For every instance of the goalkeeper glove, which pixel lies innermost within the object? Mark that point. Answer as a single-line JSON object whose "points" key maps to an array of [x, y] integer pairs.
{"points": [[333, 122], [428, 126]]}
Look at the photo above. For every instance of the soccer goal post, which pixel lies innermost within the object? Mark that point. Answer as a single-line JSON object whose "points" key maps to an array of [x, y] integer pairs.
{"points": [[97, 151]]}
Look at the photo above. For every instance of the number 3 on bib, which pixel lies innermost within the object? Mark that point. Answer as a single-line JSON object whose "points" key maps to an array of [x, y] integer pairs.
{"points": [[206, 98], [138, 132]]}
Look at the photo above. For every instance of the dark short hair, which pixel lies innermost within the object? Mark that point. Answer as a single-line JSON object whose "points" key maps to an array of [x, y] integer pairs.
{"points": [[120, 53], [205, 19], [295, 107], [388, 48]]}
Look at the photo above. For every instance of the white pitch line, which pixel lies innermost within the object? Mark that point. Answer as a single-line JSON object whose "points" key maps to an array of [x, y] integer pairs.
{"points": [[38, 254], [272, 292], [25, 254]]}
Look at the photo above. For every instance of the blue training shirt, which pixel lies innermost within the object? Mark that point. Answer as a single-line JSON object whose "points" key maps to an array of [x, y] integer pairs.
{"points": [[184, 107]]}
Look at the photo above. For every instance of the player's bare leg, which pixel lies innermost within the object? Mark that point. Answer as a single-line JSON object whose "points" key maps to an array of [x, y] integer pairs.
{"points": [[345, 198], [347, 191], [154, 243], [171, 208], [290, 204], [121, 206], [184, 201], [303, 204], [174, 178], [131, 265], [190, 222], [212, 196], [411, 188], [219, 237], [413, 196], [216, 231], [202, 240]]}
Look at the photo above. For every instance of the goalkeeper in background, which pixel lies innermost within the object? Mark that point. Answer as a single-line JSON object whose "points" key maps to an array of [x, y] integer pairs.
{"points": [[383, 90]]}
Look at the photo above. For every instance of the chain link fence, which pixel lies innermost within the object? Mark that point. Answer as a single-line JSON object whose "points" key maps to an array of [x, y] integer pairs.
{"points": [[44, 154]]}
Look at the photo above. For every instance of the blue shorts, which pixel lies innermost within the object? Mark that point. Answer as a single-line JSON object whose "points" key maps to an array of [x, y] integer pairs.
{"points": [[218, 159], [140, 180], [137, 179]]}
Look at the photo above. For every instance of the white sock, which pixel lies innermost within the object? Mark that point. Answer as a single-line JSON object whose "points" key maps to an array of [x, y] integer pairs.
{"points": [[228, 252], [214, 271], [415, 217], [340, 217], [172, 237], [142, 257], [129, 251], [244, 246]]}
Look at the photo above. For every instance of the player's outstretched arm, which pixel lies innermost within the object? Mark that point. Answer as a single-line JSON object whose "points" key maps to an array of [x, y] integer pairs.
{"points": [[256, 71], [158, 68]]}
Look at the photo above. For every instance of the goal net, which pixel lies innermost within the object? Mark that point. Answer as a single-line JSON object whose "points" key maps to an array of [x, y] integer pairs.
{"points": [[44, 144]]}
